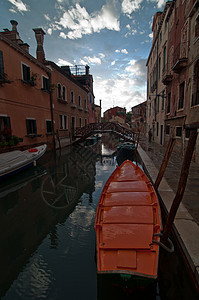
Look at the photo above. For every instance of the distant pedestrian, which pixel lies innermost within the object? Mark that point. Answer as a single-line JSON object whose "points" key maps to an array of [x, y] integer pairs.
{"points": [[150, 134]]}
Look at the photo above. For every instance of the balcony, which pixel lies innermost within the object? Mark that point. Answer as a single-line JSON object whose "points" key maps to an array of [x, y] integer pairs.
{"points": [[80, 108], [167, 77], [180, 58], [73, 105]]}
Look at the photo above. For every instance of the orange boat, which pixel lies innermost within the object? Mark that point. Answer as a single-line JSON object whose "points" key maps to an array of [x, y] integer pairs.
{"points": [[127, 225]]}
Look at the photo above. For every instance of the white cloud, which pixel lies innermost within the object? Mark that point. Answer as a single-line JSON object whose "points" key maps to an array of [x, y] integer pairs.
{"points": [[113, 63], [78, 22], [63, 35], [129, 6], [47, 17], [137, 68], [91, 60], [119, 92], [19, 5], [124, 51], [151, 35], [62, 62], [49, 31]]}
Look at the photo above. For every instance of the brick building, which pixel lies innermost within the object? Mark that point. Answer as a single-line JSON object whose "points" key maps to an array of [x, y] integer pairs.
{"points": [[115, 114], [172, 74]]}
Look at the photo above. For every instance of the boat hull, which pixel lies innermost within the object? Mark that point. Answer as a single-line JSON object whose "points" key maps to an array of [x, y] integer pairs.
{"points": [[128, 221], [17, 161]]}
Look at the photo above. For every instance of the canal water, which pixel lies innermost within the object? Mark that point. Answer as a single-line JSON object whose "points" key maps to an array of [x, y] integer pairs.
{"points": [[47, 237]]}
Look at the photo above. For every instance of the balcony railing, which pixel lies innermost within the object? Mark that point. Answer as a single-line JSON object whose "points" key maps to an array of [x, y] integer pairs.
{"points": [[180, 57]]}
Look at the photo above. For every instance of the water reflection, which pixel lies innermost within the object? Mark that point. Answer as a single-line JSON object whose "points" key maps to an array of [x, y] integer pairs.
{"points": [[46, 226]]}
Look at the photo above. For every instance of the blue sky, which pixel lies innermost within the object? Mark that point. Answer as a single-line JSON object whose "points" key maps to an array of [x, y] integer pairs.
{"points": [[113, 37]]}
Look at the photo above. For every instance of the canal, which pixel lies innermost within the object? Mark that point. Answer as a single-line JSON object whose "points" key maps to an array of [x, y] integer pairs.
{"points": [[47, 237]]}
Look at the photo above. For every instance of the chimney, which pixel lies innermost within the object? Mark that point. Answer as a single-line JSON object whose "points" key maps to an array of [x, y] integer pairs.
{"points": [[14, 25], [87, 69], [39, 34]]}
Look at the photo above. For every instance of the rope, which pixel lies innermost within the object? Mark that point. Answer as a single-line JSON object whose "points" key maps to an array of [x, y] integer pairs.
{"points": [[170, 250]]}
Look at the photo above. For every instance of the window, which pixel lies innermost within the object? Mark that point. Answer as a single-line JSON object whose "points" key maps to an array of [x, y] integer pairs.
{"points": [[178, 131], [164, 59], [64, 93], [85, 103], [59, 90], [80, 122], [187, 133], [25, 72], [5, 128], [85, 122], [63, 122], [163, 97], [2, 75], [197, 27], [167, 129], [181, 95], [49, 126], [72, 97], [159, 70], [168, 103], [157, 129], [79, 100], [158, 101], [31, 126], [45, 82]]}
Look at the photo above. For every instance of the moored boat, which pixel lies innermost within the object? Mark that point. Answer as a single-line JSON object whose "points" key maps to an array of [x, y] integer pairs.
{"points": [[16, 161], [127, 225]]}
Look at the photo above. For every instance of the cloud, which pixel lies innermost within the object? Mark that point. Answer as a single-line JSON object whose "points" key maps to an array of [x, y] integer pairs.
{"points": [[118, 92], [124, 51], [129, 6], [21, 7], [62, 62], [91, 60], [78, 22], [137, 69], [47, 17]]}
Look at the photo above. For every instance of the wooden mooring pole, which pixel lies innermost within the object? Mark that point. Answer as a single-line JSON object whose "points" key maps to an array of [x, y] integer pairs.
{"points": [[181, 185], [164, 163]]}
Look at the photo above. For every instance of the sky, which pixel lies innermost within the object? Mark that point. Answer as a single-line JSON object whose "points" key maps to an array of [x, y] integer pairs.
{"points": [[113, 37]]}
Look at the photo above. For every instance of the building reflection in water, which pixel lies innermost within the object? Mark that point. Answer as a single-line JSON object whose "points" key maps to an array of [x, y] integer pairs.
{"points": [[32, 203]]}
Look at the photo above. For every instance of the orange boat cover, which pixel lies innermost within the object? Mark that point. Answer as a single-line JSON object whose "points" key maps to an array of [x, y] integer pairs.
{"points": [[127, 217]]}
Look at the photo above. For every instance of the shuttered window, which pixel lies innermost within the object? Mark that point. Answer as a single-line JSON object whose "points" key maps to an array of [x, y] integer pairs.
{"points": [[31, 126]]}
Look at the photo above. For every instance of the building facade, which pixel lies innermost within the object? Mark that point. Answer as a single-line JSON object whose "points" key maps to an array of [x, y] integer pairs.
{"points": [[138, 119], [156, 68], [176, 77], [115, 114], [25, 108], [40, 102]]}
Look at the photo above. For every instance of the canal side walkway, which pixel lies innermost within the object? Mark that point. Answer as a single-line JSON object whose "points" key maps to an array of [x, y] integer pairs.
{"points": [[186, 224]]}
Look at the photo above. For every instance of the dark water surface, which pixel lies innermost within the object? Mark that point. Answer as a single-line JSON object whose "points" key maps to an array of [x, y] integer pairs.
{"points": [[47, 238]]}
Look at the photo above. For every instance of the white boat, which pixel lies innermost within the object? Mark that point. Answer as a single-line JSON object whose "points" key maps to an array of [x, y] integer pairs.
{"points": [[16, 161]]}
